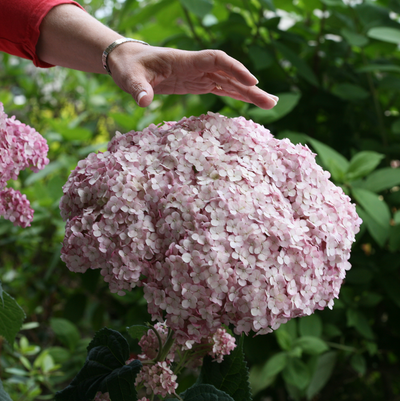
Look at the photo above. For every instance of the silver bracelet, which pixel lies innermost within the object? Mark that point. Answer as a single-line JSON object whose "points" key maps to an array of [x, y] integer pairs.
{"points": [[109, 49]]}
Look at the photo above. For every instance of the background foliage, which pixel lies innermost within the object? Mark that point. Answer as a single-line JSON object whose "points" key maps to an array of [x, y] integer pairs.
{"points": [[335, 66]]}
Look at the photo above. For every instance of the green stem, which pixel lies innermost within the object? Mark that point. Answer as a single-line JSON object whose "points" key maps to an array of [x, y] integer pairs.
{"points": [[167, 346]]}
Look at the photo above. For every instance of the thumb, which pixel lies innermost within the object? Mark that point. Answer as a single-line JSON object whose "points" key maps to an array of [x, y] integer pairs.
{"points": [[142, 91]]}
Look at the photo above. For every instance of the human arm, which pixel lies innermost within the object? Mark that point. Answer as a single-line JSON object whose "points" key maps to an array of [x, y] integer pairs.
{"points": [[72, 38]]}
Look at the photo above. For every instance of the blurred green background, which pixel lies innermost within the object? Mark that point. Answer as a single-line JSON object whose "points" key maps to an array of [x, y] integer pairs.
{"points": [[335, 66]]}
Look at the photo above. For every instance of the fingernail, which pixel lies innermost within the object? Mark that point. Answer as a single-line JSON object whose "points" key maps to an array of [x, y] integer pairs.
{"points": [[274, 98], [254, 78], [140, 96]]}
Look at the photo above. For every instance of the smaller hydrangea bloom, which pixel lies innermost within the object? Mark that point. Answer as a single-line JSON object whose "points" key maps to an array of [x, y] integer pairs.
{"points": [[222, 344], [158, 379], [102, 397], [20, 147]]}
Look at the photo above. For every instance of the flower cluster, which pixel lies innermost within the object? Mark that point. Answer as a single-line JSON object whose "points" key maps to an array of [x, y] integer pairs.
{"points": [[222, 344], [20, 147], [102, 397], [158, 379], [218, 220]]}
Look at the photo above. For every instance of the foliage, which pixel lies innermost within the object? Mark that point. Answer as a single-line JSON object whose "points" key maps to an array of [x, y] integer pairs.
{"points": [[336, 68]]}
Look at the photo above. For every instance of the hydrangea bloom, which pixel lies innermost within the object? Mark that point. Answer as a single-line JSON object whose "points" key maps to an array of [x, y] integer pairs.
{"points": [[20, 147], [218, 220]]}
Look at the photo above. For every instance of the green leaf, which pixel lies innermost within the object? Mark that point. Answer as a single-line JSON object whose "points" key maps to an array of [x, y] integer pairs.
{"points": [[260, 57], [66, 332], [1, 293], [205, 392], [334, 3], [322, 373], [294, 137], [275, 365], [394, 238], [311, 345], [3, 395], [230, 376], [310, 326], [396, 127], [284, 339], [104, 370], [359, 364], [198, 7], [358, 320], [353, 38], [377, 209], [350, 92], [11, 318], [262, 377], [269, 4], [379, 67], [362, 164], [296, 373], [391, 286], [378, 232], [287, 102], [331, 159], [137, 331], [302, 67], [384, 178], [386, 34]]}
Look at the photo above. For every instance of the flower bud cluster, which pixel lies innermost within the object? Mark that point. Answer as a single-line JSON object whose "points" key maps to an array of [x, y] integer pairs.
{"points": [[218, 220], [20, 147], [222, 344]]}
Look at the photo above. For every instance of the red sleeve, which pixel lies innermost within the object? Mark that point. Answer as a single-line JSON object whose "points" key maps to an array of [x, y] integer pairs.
{"points": [[19, 26]]}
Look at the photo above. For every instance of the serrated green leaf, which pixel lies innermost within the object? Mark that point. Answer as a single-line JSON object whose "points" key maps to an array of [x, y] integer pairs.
{"points": [[205, 392], [137, 331], [230, 376], [310, 326], [3, 395], [384, 178], [198, 7], [362, 164], [311, 345], [287, 102], [332, 160], [104, 370], [322, 373], [386, 34], [296, 373], [11, 318]]}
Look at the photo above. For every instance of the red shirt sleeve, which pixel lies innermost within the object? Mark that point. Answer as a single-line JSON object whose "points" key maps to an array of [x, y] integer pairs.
{"points": [[19, 26]]}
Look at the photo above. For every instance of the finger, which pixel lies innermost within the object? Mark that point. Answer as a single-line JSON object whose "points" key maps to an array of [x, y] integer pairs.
{"points": [[250, 94], [140, 89], [217, 60]]}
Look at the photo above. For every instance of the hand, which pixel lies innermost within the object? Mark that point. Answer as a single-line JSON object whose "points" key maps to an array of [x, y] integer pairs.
{"points": [[144, 71]]}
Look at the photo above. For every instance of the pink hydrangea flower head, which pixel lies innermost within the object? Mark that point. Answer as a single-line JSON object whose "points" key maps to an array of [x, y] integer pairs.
{"points": [[20, 147], [218, 220]]}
